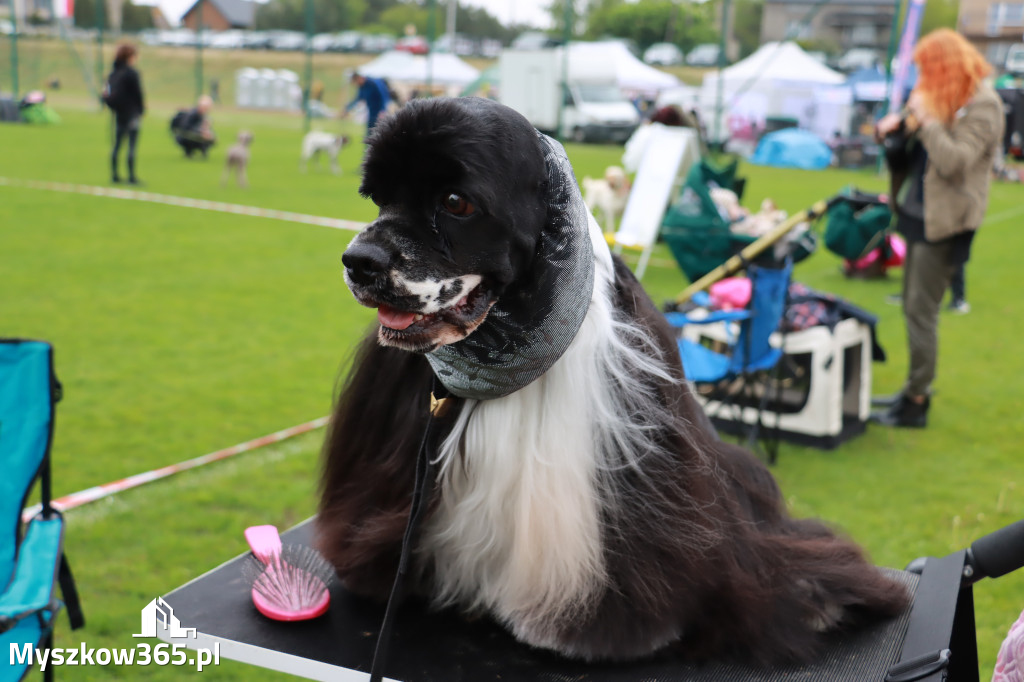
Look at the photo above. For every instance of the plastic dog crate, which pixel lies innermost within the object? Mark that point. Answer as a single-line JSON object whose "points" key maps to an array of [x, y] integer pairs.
{"points": [[823, 394]]}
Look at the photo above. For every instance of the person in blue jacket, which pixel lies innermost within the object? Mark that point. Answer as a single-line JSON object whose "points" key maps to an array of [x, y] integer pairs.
{"points": [[372, 91]]}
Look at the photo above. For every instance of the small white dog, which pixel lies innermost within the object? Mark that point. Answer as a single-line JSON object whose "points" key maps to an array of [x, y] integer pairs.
{"points": [[318, 141], [606, 197]]}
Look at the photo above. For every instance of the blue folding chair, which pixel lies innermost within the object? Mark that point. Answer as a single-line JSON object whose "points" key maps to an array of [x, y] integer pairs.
{"points": [[32, 560], [735, 372]]}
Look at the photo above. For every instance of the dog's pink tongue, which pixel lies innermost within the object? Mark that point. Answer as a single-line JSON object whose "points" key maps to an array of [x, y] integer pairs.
{"points": [[394, 319]]}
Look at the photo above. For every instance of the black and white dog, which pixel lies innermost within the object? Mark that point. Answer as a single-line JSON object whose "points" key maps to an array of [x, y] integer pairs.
{"points": [[582, 499]]}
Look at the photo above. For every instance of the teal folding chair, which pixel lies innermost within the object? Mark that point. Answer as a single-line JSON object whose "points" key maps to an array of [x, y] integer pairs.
{"points": [[32, 561]]}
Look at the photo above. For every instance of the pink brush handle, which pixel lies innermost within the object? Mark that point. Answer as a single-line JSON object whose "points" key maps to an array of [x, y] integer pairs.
{"points": [[265, 542]]}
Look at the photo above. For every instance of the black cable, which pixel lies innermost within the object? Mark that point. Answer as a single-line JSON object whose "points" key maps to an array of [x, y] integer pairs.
{"points": [[424, 474]]}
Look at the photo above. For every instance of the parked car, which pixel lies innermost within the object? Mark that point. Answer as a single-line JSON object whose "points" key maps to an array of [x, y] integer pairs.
{"points": [[6, 27], [663, 54], [1015, 60], [256, 40], [228, 40], [489, 48], [461, 45], [533, 40], [180, 37], [323, 42], [376, 43], [413, 44], [703, 55], [348, 41], [858, 58], [288, 40], [150, 36]]}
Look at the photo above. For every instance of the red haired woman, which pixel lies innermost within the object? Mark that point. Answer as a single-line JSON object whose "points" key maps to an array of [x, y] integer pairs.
{"points": [[940, 153]]}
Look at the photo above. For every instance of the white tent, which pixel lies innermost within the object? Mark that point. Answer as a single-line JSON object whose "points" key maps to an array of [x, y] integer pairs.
{"points": [[403, 67], [785, 62], [631, 74], [779, 80]]}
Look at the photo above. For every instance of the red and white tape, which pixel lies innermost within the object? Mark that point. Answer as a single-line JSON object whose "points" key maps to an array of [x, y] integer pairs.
{"points": [[186, 202], [98, 492]]}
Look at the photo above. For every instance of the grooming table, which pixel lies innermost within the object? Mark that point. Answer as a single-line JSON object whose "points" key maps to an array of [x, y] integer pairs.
{"points": [[831, 401], [444, 647]]}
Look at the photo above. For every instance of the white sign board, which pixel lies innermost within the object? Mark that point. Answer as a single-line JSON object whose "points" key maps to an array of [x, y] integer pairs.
{"points": [[667, 153]]}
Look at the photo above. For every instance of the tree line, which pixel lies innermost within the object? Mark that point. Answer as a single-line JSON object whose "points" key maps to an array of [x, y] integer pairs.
{"points": [[645, 23], [380, 16], [133, 17]]}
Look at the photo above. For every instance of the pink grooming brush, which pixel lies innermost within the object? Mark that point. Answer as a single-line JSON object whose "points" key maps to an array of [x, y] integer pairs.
{"points": [[288, 582]]}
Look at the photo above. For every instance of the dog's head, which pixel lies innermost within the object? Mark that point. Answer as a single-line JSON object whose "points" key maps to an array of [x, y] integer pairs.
{"points": [[244, 138], [340, 141], [460, 184], [617, 179]]}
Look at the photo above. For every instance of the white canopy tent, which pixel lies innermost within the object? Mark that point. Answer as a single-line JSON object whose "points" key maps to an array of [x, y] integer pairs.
{"points": [[631, 74], [439, 68], [779, 80]]}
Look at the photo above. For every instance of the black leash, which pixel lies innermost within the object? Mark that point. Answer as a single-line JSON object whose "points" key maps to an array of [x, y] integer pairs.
{"points": [[440, 403]]}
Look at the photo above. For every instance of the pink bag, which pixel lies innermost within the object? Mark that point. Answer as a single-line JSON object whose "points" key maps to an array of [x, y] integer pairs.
{"points": [[897, 254], [897, 251], [1010, 662], [730, 293]]}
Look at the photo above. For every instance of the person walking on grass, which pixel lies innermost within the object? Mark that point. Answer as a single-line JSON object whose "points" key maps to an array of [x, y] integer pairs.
{"points": [[374, 92], [123, 95], [940, 153]]}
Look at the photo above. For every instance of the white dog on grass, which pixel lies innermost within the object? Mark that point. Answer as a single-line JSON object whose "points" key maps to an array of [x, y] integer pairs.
{"points": [[318, 141]]}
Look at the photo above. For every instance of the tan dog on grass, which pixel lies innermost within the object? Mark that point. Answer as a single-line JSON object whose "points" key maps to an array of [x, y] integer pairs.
{"points": [[606, 197], [238, 160]]}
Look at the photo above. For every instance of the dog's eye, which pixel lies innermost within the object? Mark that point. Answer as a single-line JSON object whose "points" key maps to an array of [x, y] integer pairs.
{"points": [[457, 205]]}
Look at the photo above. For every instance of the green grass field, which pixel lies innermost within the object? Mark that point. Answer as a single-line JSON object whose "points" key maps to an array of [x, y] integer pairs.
{"points": [[180, 331]]}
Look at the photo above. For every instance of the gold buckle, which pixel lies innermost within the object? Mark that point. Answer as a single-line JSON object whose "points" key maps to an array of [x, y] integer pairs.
{"points": [[439, 408]]}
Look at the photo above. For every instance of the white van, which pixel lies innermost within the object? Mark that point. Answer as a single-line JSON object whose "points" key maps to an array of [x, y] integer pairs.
{"points": [[592, 104]]}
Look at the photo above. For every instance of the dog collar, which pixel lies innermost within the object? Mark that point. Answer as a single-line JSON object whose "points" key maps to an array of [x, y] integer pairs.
{"points": [[532, 324]]}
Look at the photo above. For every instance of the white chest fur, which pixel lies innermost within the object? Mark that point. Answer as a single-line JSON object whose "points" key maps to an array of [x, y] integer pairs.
{"points": [[518, 529]]}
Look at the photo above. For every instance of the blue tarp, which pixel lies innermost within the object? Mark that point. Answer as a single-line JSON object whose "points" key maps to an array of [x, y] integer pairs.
{"points": [[792, 148]]}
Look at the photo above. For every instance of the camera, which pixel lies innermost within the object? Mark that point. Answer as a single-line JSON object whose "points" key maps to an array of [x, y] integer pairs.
{"points": [[899, 136]]}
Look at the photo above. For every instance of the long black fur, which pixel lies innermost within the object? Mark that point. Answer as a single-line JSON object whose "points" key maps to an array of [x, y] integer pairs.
{"points": [[761, 580]]}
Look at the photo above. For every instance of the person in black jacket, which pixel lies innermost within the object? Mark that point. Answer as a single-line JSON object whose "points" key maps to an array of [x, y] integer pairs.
{"points": [[123, 94], [191, 128]]}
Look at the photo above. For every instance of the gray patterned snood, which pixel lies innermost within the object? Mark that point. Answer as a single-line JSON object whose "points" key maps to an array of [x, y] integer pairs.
{"points": [[530, 327]]}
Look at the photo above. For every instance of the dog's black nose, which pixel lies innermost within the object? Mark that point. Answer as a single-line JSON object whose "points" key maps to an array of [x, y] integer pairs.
{"points": [[365, 262]]}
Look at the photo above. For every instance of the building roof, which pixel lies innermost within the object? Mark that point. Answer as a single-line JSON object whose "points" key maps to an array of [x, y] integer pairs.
{"points": [[239, 13]]}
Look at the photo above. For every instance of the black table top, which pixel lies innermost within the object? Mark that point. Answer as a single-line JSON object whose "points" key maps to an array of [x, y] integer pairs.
{"points": [[445, 647]]}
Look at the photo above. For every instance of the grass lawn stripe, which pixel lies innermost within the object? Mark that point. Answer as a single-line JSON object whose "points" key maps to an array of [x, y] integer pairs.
{"points": [[187, 202]]}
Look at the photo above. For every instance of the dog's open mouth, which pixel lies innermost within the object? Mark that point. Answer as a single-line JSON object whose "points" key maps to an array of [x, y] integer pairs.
{"points": [[423, 333]]}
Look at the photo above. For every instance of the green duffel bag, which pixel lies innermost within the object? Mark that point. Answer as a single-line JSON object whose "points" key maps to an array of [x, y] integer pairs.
{"points": [[852, 233]]}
